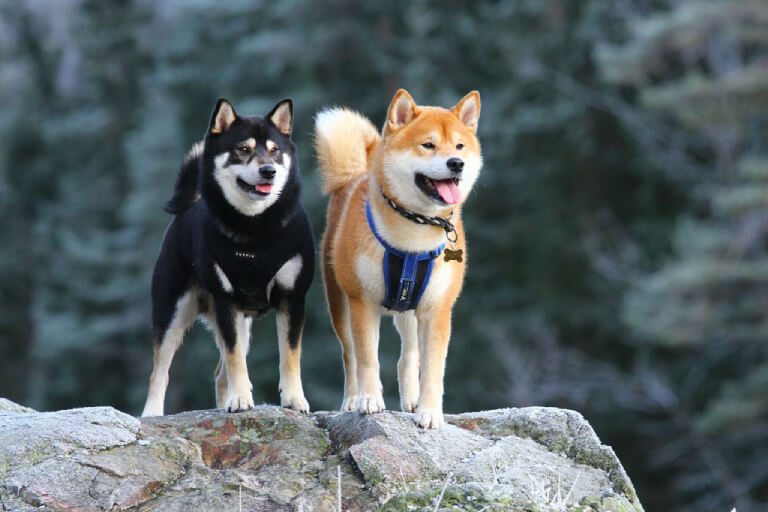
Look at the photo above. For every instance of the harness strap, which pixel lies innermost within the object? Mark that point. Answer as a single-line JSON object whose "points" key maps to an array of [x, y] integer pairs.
{"points": [[411, 271]]}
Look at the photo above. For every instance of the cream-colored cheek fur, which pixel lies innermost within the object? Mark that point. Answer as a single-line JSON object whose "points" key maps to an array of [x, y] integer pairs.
{"points": [[400, 169], [472, 166], [227, 176]]}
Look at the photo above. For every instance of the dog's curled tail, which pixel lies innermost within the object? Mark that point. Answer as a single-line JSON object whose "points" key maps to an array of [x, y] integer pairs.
{"points": [[344, 142], [186, 192]]}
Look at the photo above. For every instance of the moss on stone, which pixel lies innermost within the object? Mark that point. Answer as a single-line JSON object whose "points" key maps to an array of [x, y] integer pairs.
{"points": [[34, 456], [603, 458], [455, 497], [607, 504]]}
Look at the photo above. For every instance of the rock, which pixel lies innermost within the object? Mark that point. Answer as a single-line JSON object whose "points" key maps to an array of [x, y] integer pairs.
{"points": [[8, 406], [272, 458]]}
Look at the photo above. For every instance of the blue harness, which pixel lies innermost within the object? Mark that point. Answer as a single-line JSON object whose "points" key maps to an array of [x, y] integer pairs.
{"points": [[406, 274]]}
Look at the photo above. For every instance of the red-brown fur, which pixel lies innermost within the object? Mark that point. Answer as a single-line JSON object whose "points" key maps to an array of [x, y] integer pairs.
{"points": [[351, 255]]}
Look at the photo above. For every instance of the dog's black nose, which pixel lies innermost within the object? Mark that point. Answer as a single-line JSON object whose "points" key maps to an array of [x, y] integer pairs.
{"points": [[267, 171], [455, 164]]}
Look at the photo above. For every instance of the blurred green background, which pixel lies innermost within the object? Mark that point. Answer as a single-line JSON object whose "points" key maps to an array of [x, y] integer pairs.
{"points": [[617, 234]]}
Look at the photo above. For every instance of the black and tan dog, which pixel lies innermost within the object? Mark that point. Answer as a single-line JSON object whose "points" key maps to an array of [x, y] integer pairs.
{"points": [[240, 244]]}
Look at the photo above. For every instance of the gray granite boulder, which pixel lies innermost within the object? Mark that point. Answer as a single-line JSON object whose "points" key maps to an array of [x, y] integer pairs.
{"points": [[531, 459]]}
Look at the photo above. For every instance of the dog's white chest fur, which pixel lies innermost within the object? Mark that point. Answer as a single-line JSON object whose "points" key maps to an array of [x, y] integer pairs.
{"points": [[369, 269], [371, 275], [287, 275], [437, 287], [223, 279]]}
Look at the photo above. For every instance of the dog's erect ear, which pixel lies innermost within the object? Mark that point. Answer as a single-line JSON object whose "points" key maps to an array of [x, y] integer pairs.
{"points": [[223, 116], [468, 110], [401, 111], [282, 116]]}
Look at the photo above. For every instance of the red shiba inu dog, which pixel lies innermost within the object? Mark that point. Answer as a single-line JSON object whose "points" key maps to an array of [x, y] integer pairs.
{"points": [[394, 241]]}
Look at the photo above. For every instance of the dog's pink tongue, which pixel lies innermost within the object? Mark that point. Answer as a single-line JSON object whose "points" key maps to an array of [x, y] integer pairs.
{"points": [[448, 191], [264, 188]]}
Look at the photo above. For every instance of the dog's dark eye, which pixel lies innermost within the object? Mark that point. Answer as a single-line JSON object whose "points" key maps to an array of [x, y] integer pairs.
{"points": [[275, 150], [459, 146], [428, 145], [244, 149]]}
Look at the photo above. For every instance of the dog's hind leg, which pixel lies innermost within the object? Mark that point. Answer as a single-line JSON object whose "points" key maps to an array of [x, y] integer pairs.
{"points": [[169, 330], [408, 365], [339, 310], [233, 334]]}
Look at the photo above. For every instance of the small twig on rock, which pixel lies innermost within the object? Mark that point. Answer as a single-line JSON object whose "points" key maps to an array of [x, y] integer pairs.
{"points": [[240, 492], [570, 491], [338, 488], [440, 498], [405, 484]]}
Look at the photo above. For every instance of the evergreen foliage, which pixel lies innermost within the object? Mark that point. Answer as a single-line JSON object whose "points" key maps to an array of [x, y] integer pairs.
{"points": [[702, 64], [616, 236]]}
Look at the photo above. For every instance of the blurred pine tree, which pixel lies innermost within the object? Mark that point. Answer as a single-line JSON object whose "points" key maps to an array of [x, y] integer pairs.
{"points": [[704, 64], [577, 202]]}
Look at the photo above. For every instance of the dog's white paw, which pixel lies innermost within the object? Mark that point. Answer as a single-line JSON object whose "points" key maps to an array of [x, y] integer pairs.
{"points": [[407, 405], [370, 403], [294, 400], [152, 410], [237, 402], [349, 403], [409, 394], [429, 418]]}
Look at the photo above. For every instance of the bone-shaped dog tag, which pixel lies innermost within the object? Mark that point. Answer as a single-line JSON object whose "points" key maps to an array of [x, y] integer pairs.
{"points": [[454, 255]]}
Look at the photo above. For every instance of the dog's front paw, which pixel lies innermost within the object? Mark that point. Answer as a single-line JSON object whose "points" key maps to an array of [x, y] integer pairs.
{"points": [[152, 410], [370, 403], [237, 402], [409, 394], [409, 405], [294, 400], [349, 403], [429, 418]]}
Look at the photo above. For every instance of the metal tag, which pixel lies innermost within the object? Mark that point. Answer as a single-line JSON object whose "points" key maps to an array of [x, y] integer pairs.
{"points": [[453, 255]]}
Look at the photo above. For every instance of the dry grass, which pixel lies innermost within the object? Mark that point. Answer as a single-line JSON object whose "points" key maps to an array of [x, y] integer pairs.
{"points": [[551, 499], [442, 491], [338, 488]]}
